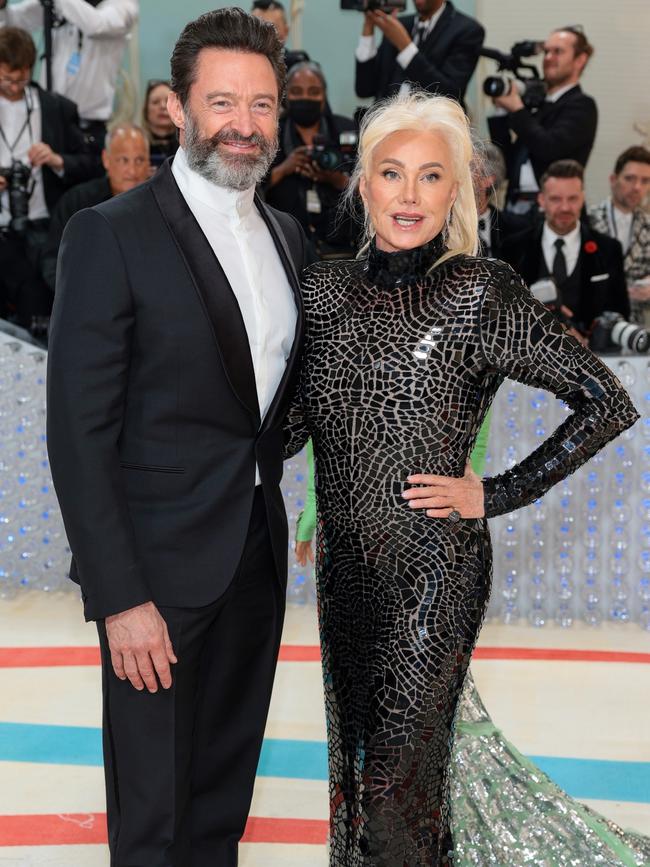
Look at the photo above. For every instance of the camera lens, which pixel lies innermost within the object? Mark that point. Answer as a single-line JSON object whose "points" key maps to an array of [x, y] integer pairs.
{"points": [[630, 336], [496, 85]]}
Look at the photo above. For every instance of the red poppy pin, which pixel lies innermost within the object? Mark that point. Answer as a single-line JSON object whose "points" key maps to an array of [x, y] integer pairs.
{"points": [[590, 247]]}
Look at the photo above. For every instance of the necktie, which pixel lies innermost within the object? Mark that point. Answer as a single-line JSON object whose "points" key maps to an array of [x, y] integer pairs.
{"points": [[481, 224], [559, 263], [420, 33]]}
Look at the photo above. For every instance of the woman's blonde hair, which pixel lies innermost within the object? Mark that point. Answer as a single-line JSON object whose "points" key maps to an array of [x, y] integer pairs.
{"points": [[420, 111]]}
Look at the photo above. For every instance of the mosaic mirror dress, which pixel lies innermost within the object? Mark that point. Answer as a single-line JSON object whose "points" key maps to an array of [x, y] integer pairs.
{"points": [[401, 363]]}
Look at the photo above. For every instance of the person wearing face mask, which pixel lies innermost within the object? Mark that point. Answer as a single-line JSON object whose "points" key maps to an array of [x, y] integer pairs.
{"points": [[296, 183]]}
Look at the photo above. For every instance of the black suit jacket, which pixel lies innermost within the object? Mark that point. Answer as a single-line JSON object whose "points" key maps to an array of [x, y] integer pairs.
{"points": [[444, 63], [503, 225], [560, 130], [602, 279], [153, 421], [60, 130]]}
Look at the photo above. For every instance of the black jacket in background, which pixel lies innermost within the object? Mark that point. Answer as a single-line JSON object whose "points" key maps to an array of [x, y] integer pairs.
{"points": [[60, 130], [560, 130], [82, 196], [602, 279], [444, 63], [154, 428]]}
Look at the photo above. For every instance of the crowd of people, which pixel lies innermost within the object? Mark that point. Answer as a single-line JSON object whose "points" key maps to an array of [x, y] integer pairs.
{"points": [[56, 157]]}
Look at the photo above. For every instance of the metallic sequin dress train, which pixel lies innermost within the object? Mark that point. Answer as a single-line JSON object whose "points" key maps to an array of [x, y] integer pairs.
{"points": [[401, 364]]}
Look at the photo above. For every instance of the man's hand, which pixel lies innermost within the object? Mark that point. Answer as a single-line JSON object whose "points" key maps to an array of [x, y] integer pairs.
{"points": [[368, 24], [304, 553], [140, 647], [640, 291], [511, 101], [333, 178], [3, 183], [41, 154], [391, 27], [442, 495]]}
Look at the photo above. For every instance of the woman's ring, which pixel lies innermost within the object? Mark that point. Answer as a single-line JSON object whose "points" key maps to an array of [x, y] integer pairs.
{"points": [[454, 516]]}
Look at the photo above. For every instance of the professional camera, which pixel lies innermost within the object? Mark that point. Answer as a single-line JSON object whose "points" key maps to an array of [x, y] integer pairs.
{"points": [[329, 157], [387, 6], [20, 187], [611, 333], [525, 76]]}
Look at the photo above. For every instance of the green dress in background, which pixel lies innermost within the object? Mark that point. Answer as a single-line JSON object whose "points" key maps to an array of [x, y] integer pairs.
{"points": [[505, 811]]}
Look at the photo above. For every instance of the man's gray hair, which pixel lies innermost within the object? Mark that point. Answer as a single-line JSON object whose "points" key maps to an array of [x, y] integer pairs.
{"points": [[128, 130]]}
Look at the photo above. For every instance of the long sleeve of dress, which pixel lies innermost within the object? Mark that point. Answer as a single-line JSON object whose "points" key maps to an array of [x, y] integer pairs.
{"points": [[296, 432], [522, 340]]}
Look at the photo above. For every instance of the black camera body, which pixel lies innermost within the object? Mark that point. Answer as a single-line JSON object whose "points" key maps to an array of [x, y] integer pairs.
{"points": [[387, 6], [611, 333], [524, 76], [330, 157], [19, 188]]}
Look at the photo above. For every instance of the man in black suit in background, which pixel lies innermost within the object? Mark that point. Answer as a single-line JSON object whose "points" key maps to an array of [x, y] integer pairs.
{"points": [[585, 266], [436, 50], [564, 127], [174, 344]]}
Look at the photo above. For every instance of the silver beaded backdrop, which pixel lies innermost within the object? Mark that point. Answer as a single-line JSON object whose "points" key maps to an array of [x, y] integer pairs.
{"points": [[580, 554]]}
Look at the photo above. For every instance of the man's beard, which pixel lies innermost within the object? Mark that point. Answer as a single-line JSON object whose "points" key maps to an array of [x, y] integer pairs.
{"points": [[231, 170]]}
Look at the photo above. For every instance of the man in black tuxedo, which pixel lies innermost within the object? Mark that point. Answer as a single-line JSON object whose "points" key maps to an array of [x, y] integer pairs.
{"points": [[564, 127], [39, 131], [436, 50], [585, 266], [175, 340]]}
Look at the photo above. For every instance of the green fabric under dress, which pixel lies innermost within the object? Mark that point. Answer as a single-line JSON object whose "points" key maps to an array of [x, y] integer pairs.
{"points": [[505, 811]]}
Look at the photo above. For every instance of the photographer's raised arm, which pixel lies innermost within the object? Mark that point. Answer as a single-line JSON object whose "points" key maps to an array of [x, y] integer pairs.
{"points": [[89, 356], [574, 128], [28, 14], [110, 19]]}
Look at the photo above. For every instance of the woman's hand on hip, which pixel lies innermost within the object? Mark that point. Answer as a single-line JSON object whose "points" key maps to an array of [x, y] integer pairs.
{"points": [[442, 495]]}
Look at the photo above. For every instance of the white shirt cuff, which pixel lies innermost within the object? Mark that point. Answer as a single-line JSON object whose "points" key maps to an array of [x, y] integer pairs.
{"points": [[366, 49], [407, 54]]}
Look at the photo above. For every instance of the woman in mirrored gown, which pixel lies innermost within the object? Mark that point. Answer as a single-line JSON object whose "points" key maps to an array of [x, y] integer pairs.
{"points": [[405, 349]]}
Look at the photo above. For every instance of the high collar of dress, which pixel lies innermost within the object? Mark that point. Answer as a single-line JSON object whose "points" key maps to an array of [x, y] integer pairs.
{"points": [[405, 267], [230, 203]]}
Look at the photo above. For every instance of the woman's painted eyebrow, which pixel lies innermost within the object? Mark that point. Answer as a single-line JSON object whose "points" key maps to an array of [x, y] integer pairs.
{"points": [[402, 166]]}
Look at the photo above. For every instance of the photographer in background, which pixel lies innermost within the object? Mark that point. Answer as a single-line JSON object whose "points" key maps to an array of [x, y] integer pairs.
{"points": [[126, 160], [273, 11], [88, 45], [564, 127], [41, 155], [296, 183], [621, 216], [436, 50], [575, 270]]}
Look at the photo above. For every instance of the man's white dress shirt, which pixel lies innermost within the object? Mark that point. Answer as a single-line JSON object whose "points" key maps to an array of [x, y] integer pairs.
{"points": [[571, 248], [87, 76], [245, 249], [21, 135]]}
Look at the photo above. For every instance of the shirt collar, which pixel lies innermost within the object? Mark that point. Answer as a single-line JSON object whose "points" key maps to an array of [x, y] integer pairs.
{"points": [[553, 97], [570, 239], [229, 203], [427, 26]]}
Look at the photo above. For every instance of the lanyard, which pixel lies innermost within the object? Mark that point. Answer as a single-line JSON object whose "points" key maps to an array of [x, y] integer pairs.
{"points": [[614, 228], [26, 125]]}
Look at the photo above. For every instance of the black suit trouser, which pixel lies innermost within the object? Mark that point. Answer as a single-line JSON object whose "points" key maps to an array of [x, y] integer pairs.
{"points": [[180, 763]]}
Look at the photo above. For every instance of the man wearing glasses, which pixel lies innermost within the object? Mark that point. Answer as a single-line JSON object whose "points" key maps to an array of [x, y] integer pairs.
{"points": [[41, 155], [564, 127]]}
